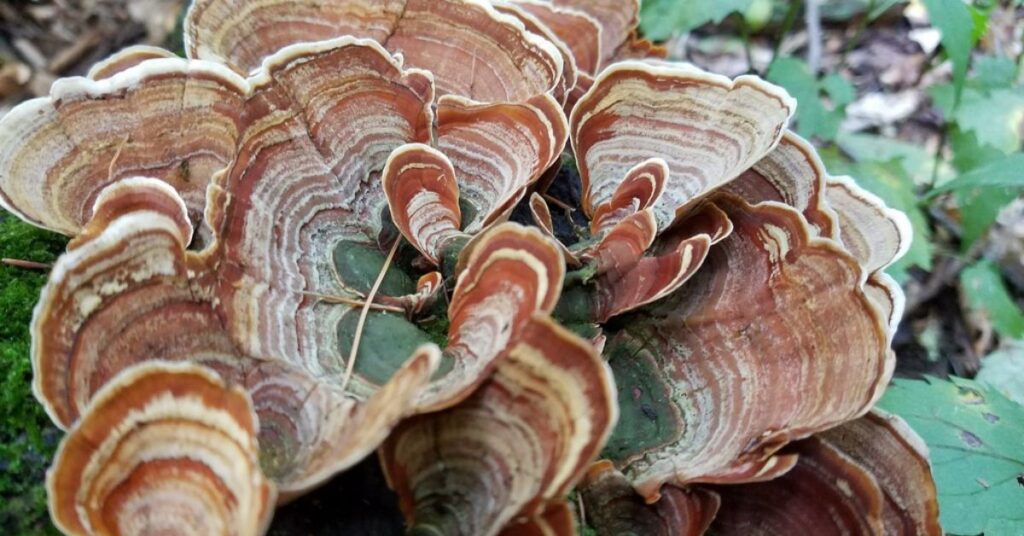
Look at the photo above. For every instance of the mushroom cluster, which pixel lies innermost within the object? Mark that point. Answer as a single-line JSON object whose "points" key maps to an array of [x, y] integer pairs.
{"points": [[292, 249]]}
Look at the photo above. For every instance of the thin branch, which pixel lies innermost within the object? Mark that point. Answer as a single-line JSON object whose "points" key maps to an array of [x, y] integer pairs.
{"points": [[812, 17], [353, 302], [362, 315], [862, 26], [28, 265]]}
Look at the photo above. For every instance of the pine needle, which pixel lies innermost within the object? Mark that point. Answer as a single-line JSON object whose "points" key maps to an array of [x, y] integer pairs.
{"points": [[362, 315]]}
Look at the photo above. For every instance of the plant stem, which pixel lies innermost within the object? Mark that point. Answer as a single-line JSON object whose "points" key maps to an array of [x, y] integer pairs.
{"points": [[787, 25]]}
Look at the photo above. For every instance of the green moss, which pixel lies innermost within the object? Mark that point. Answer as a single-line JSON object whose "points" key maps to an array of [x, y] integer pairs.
{"points": [[27, 439]]}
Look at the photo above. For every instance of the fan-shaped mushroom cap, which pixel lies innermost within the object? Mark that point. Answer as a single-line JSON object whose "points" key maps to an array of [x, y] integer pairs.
{"points": [[419, 182], [639, 190], [516, 445], [618, 20], [303, 199], [897, 458], [613, 508], [868, 476], [793, 174], [578, 30], [533, 24], [125, 59], [707, 128], [774, 340], [167, 118], [129, 292], [162, 448], [511, 273], [498, 150], [826, 493], [473, 51], [874, 233]]}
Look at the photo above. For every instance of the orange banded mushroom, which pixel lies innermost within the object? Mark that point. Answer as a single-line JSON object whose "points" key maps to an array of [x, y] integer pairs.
{"points": [[168, 118], [163, 448], [505, 63], [868, 476], [687, 416], [130, 293], [614, 509], [515, 447]]}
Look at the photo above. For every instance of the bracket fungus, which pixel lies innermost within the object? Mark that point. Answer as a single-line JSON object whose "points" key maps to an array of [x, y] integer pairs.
{"points": [[162, 449], [307, 216]]}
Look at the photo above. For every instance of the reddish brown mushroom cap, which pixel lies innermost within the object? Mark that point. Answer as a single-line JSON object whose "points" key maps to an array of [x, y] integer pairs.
{"points": [[578, 30], [129, 293], [498, 150], [874, 233], [162, 448], [304, 197], [519, 443], [166, 118], [472, 50], [793, 174], [419, 182], [825, 493], [618, 20], [613, 508], [707, 128], [639, 190], [773, 340], [897, 458], [511, 273]]}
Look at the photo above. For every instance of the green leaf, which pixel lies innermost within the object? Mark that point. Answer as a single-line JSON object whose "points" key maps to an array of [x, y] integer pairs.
{"points": [[1005, 173], [979, 209], [1003, 370], [957, 24], [813, 118], [976, 440], [995, 117], [660, 19], [985, 292], [994, 72], [915, 159]]}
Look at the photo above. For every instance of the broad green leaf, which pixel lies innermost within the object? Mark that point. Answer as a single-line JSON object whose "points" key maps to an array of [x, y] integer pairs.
{"points": [[976, 440], [660, 19], [985, 292], [1003, 370], [994, 72], [813, 119], [995, 117], [956, 22], [979, 209], [915, 159], [839, 90], [1005, 173]]}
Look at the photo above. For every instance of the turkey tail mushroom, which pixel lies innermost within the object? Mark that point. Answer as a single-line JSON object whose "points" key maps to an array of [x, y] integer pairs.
{"points": [[505, 62], [169, 118], [129, 292], [512, 449], [163, 447], [614, 509], [770, 299], [709, 129]]}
